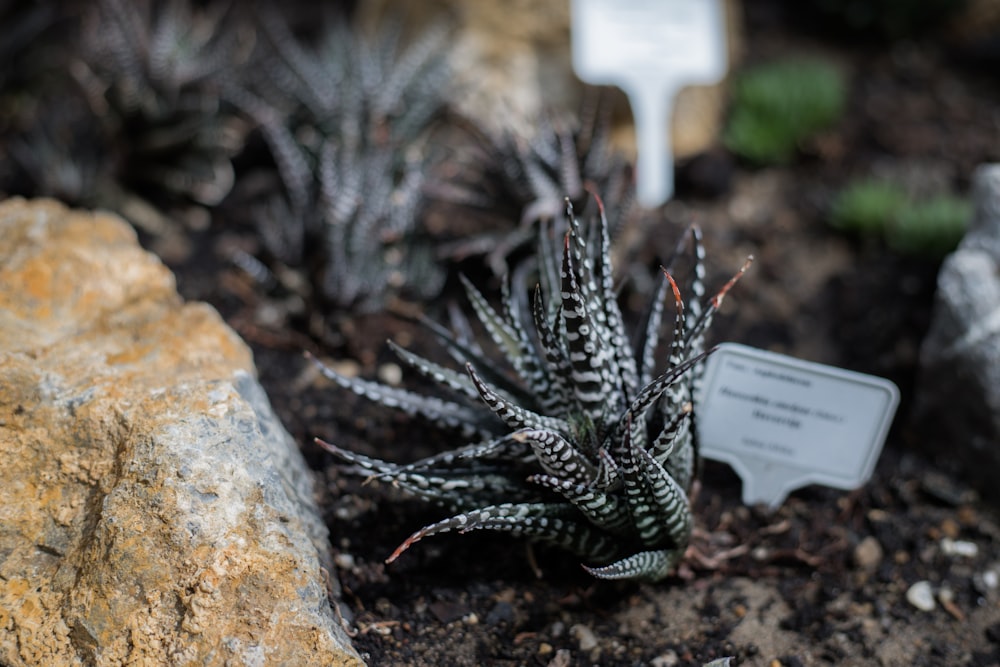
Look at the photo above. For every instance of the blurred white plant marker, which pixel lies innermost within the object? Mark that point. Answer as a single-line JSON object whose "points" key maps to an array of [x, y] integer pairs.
{"points": [[650, 49]]}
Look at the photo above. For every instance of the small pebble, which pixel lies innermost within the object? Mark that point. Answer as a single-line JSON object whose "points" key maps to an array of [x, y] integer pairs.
{"points": [[950, 528], [502, 612], [668, 659], [921, 596], [967, 516], [391, 374], [964, 548], [986, 582], [344, 561], [562, 659], [877, 515], [269, 314], [947, 490], [868, 554], [585, 636]]}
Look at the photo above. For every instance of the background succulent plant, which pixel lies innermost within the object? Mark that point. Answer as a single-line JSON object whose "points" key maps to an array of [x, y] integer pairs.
{"points": [[48, 138], [346, 122], [928, 226], [516, 181], [865, 207], [58, 155], [23, 24], [581, 445], [154, 75], [777, 105]]}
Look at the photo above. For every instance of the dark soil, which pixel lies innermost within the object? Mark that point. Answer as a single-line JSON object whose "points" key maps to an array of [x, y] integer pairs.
{"points": [[823, 580]]}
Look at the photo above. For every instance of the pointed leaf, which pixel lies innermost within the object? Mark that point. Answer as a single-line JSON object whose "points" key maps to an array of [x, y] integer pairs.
{"points": [[513, 415]]}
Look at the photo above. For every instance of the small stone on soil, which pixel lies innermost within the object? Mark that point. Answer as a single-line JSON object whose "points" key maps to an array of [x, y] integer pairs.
{"points": [[390, 374], [585, 636], [562, 659], [921, 596], [668, 659], [448, 612], [502, 612], [986, 582], [868, 554], [950, 547], [344, 561]]}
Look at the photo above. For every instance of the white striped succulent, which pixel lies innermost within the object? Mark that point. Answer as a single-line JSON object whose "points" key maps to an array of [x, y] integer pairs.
{"points": [[586, 449], [347, 122]]}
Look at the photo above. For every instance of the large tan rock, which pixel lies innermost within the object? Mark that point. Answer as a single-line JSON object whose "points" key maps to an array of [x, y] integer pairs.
{"points": [[152, 509]]}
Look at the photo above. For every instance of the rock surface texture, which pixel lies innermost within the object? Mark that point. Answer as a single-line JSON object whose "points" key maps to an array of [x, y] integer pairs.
{"points": [[152, 508], [958, 400]]}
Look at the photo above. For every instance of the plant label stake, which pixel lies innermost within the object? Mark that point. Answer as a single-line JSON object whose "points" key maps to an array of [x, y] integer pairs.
{"points": [[650, 49], [782, 423]]}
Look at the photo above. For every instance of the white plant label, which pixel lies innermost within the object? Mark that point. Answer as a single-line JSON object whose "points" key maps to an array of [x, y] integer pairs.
{"points": [[783, 423], [650, 49]]}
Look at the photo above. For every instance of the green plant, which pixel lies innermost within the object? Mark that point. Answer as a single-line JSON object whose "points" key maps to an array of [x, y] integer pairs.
{"points": [[778, 105], [931, 228], [578, 444], [346, 122], [866, 207]]}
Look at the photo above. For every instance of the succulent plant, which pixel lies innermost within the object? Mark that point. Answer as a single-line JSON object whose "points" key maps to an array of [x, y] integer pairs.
{"points": [[928, 226], [59, 155], [346, 123], [581, 446], [778, 105], [866, 207], [37, 102], [154, 74], [23, 24], [518, 181]]}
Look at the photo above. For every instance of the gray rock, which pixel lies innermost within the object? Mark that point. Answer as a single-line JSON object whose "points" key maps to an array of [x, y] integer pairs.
{"points": [[957, 406], [154, 509]]}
